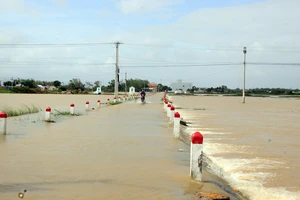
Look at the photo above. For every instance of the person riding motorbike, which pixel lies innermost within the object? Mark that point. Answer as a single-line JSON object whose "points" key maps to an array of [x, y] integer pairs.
{"points": [[143, 94]]}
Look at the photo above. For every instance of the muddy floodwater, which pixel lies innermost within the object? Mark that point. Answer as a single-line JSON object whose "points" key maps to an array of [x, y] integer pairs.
{"points": [[124, 151], [255, 146]]}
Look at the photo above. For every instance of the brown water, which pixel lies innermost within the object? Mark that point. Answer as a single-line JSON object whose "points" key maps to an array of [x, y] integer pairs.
{"points": [[255, 146], [124, 151]]}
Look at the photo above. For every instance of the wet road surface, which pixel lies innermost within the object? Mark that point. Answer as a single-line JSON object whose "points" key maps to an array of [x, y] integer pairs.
{"points": [[123, 151]]}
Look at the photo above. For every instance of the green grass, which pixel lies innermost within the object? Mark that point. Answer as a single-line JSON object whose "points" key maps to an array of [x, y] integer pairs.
{"points": [[11, 112], [64, 113], [199, 109], [61, 112], [113, 103], [5, 91], [177, 108], [184, 123]]}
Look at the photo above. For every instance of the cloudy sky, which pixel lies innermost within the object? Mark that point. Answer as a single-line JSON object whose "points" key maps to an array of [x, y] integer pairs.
{"points": [[198, 41]]}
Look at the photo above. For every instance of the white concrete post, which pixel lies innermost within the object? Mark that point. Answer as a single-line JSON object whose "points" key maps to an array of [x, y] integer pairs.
{"points": [[168, 110], [115, 100], [120, 99], [108, 101], [165, 106], [196, 156], [3, 123], [124, 98], [72, 109], [98, 104], [172, 111], [87, 105], [48, 114], [176, 130]]}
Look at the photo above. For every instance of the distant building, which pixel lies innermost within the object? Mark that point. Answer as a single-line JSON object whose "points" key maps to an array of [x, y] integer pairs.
{"points": [[132, 90], [41, 87], [152, 87], [179, 85], [47, 87]]}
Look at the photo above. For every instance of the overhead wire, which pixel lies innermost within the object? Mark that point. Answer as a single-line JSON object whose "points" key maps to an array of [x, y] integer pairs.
{"points": [[212, 47]]}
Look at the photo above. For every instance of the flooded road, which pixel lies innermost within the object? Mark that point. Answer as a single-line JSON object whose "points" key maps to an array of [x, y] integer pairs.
{"points": [[255, 146], [123, 151]]}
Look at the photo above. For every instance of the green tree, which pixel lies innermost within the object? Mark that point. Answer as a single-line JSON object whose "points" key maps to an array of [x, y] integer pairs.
{"points": [[56, 83], [16, 81], [30, 83], [62, 88], [97, 83], [8, 83], [139, 84], [76, 84]]}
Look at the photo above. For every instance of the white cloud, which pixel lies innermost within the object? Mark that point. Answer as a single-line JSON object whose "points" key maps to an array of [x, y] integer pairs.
{"points": [[204, 36], [12, 5], [142, 6], [61, 3], [265, 28], [105, 13]]}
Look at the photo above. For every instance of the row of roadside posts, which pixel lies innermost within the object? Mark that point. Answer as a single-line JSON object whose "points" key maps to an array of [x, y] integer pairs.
{"points": [[3, 115], [196, 148]]}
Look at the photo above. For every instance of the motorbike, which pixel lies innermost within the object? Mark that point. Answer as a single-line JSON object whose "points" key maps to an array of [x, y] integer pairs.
{"points": [[143, 98]]}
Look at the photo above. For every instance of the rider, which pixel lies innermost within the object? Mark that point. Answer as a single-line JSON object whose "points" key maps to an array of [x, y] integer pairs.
{"points": [[143, 93]]}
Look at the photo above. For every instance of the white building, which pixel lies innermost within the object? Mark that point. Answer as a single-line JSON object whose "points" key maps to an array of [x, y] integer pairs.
{"points": [[132, 90], [179, 85]]}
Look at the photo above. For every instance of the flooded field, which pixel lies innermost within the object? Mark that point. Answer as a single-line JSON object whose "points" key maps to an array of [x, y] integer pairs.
{"points": [[123, 151], [255, 146]]}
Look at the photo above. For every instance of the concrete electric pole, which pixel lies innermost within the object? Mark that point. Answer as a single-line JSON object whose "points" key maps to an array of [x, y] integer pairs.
{"points": [[244, 51], [117, 69], [125, 84]]}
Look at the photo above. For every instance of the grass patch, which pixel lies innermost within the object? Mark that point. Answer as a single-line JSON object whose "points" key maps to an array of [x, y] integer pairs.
{"points": [[5, 91], [113, 103], [184, 123], [61, 112], [64, 113], [177, 108], [12, 112], [199, 109], [50, 121]]}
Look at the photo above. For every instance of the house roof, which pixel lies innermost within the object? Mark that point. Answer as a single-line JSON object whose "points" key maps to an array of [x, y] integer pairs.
{"points": [[152, 85]]}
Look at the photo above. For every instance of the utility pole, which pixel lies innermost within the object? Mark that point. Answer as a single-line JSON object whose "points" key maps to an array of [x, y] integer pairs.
{"points": [[117, 69], [244, 51], [125, 84]]}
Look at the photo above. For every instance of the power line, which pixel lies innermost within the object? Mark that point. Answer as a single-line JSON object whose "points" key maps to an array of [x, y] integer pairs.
{"points": [[6, 59], [179, 65], [137, 65], [220, 47], [181, 46], [280, 64], [15, 45], [50, 63], [24, 65], [64, 76], [36, 64]]}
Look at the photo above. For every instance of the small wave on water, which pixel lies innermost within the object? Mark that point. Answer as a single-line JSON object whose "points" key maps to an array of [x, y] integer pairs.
{"points": [[237, 163], [247, 175]]}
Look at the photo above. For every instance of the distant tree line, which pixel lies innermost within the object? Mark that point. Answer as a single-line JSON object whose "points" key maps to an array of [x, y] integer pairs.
{"points": [[75, 85], [253, 91]]}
